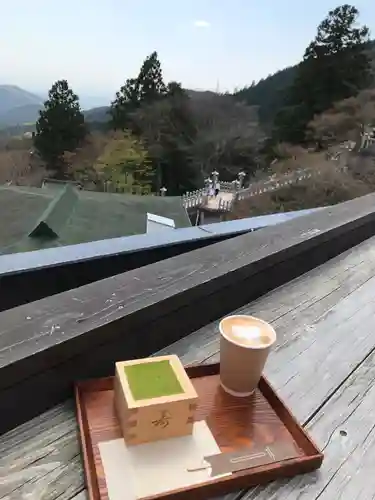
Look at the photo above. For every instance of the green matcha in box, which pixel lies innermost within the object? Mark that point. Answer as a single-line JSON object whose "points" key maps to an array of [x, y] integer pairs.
{"points": [[154, 399]]}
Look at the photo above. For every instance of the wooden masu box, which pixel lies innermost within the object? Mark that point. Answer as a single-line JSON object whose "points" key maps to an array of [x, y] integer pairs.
{"points": [[154, 399]]}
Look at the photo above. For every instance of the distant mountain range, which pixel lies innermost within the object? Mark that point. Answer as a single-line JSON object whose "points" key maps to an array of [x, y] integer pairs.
{"points": [[18, 107]]}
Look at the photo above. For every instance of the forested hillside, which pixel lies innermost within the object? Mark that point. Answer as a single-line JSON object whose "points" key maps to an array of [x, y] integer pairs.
{"points": [[270, 92]]}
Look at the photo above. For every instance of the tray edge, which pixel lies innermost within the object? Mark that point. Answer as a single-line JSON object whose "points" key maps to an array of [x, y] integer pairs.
{"points": [[85, 444]]}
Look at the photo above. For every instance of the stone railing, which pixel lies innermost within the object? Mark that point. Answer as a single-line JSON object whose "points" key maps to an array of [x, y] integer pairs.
{"points": [[194, 199], [227, 186], [273, 184], [225, 205], [367, 140], [200, 199]]}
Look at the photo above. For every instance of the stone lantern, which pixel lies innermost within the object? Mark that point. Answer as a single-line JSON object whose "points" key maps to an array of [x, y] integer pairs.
{"points": [[215, 177], [241, 177], [236, 184], [208, 184]]}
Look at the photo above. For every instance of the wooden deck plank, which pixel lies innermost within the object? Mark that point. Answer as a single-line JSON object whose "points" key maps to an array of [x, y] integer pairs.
{"points": [[345, 430], [294, 304], [41, 459]]}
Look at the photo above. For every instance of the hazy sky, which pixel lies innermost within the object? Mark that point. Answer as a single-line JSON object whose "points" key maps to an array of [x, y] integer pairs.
{"points": [[97, 44]]}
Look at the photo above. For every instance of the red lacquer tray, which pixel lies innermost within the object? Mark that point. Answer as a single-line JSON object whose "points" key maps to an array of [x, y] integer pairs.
{"points": [[258, 436]]}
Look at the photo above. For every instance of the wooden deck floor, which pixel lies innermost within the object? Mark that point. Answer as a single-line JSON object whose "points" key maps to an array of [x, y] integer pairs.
{"points": [[323, 366]]}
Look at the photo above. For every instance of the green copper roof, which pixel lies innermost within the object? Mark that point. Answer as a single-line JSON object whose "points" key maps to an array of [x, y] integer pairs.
{"points": [[36, 218]]}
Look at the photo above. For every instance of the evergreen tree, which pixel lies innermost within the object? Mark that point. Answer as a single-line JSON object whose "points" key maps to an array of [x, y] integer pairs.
{"points": [[126, 101], [151, 86], [335, 66], [160, 114], [179, 172], [169, 131], [175, 89], [60, 127], [145, 89]]}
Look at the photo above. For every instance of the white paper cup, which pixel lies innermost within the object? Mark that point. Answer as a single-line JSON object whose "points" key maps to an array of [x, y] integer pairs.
{"points": [[242, 359]]}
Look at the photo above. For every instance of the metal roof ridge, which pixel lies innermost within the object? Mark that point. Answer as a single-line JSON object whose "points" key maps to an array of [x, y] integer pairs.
{"points": [[56, 214]]}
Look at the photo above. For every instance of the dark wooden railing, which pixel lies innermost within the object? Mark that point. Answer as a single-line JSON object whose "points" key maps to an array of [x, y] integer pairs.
{"points": [[48, 344], [26, 277]]}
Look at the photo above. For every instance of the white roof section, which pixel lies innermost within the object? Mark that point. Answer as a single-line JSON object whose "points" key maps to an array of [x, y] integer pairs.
{"points": [[158, 219]]}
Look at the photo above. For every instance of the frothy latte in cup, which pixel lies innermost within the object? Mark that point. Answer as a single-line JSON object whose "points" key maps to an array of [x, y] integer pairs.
{"points": [[247, 331], [245, 343]]}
